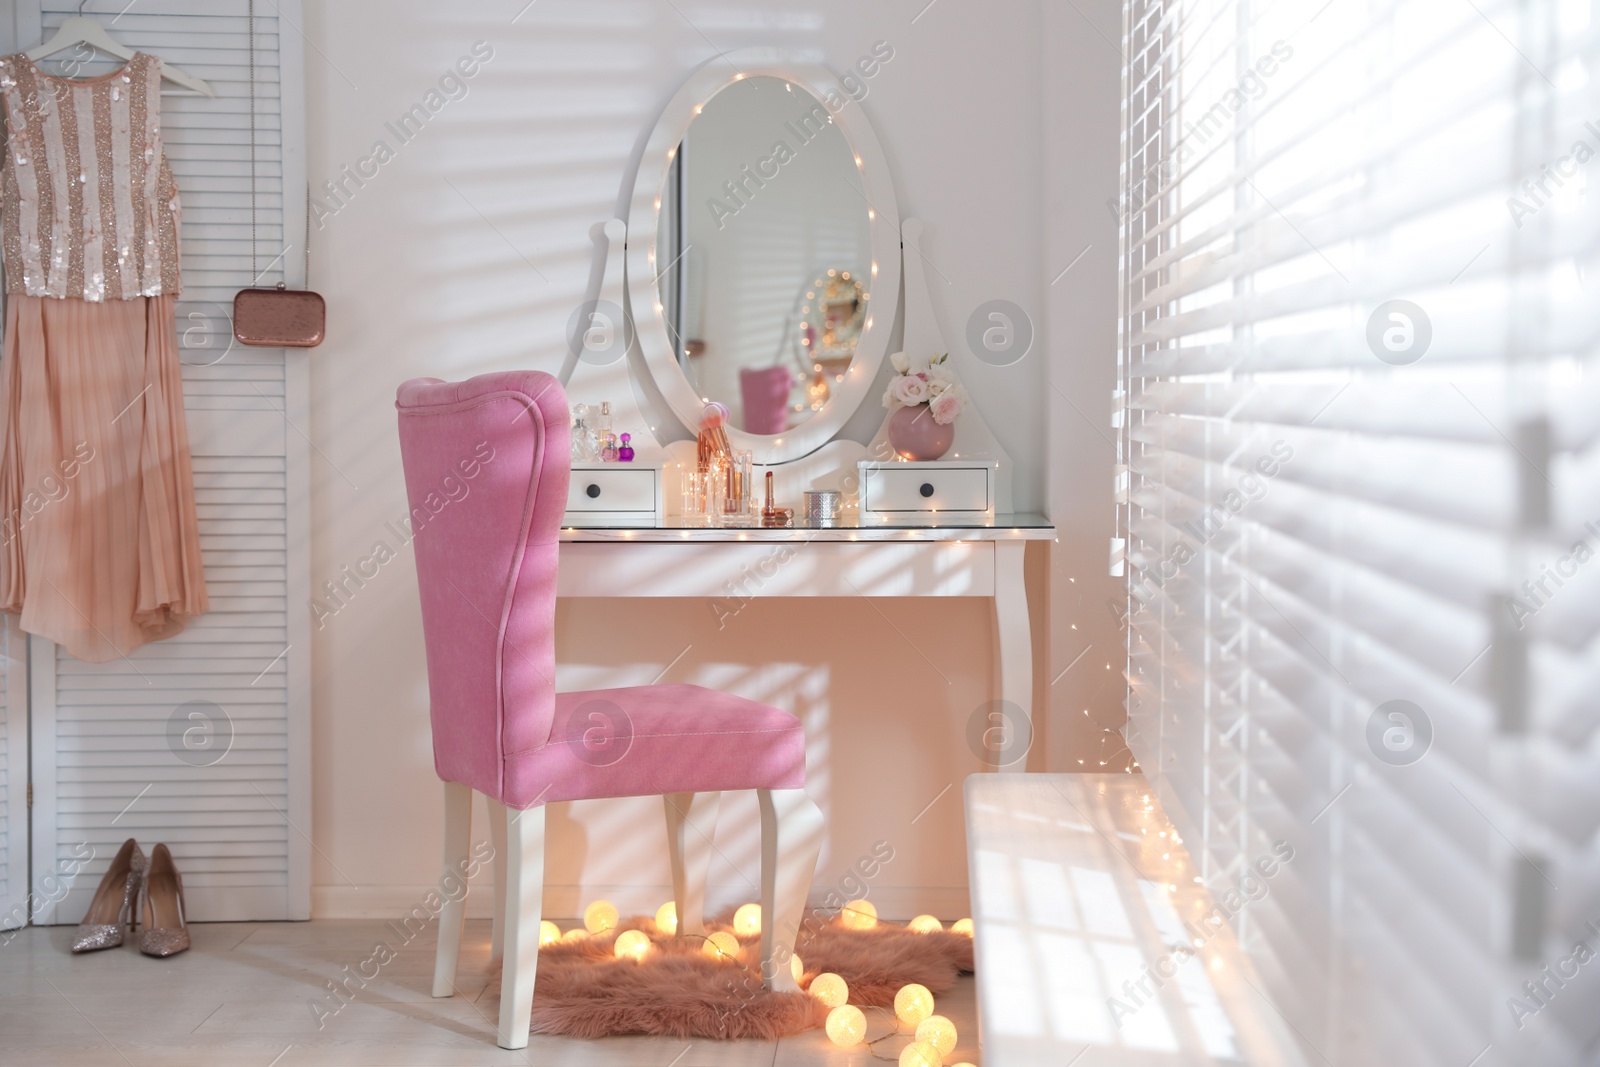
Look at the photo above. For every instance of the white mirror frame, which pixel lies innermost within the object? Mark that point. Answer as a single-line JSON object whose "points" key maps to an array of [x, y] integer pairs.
{"points": [[883, 224]]}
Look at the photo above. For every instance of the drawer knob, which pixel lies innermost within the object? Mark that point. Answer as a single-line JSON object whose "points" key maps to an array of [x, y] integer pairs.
{"points": [[927, 489], [593, 491]]}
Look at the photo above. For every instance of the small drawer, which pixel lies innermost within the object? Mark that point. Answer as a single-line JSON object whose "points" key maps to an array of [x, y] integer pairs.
{"points": [[616, 488], [915, 487]]}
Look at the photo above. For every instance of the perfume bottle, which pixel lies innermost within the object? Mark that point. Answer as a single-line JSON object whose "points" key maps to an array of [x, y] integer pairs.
{"points": [[605, 440], [625, 452], [583, 443]]}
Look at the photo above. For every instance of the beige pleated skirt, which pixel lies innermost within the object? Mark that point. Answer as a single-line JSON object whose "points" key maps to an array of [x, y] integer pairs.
{"points": [[99, 543]]}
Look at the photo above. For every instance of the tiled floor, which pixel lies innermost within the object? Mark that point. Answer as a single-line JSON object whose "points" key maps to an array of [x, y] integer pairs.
{"points": [[243, 995]]}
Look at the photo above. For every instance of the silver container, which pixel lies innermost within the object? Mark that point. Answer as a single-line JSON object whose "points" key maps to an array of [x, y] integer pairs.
{"points": [[822, 507]]}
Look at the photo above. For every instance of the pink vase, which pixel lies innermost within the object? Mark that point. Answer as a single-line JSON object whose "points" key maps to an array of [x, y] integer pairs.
{"points": [[915, 436]]}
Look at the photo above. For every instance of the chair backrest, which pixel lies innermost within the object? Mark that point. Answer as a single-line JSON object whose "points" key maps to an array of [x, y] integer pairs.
{"points": [[486, 466]]}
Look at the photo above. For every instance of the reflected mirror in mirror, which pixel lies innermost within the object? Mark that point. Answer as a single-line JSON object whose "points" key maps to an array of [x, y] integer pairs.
{"points": [[764, 253]]}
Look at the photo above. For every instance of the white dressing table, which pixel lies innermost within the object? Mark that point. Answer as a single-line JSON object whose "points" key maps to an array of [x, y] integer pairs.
{"points": [[659, 339], [729, 566]]}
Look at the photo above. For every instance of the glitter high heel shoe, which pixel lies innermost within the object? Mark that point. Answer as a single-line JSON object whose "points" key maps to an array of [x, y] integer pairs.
{"points": [[113, 905], [161, 907]]}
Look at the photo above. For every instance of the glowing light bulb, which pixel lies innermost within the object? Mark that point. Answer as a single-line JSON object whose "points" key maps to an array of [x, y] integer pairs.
{"points": [[913, 1004], [920, 1054], [961, 926], [847, 1025], [925, 924], [859, 915], [939, 1032], [600, 917], [667, 918], [577, 933], [548, 932], [747, 920], [796, 968], [635, 945], [830, 989], [721, 946]]}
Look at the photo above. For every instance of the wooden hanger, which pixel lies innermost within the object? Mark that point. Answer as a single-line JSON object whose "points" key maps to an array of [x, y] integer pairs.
{"points": [[81, 30]]}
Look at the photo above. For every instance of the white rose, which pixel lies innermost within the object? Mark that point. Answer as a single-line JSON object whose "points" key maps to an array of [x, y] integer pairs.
{"points": [[900, 362], [911, 390]]}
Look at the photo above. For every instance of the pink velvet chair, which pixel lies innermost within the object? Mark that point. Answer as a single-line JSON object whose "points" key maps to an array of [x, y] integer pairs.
{"points": [[486, 467]]}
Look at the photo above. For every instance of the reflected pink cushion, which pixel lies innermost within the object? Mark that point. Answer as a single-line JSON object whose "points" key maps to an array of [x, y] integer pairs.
{"points": [[765, 394], [486, 467]]}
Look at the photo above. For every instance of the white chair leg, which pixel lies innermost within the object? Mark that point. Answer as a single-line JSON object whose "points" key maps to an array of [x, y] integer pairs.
{"points": [[497, 837], [691, 826], [791, 840], [457, 838], [524, 902]]}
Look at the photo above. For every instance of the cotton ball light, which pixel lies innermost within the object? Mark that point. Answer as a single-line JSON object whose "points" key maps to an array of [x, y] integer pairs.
{"points": [[796, 968], [925, 924], [939, 1032], [830, 989], [913, 1004], [721, 946], [600, 917], [577, 933], [920, 1054], [859, 915], [961, 926], [667, 918], [548, 932], [847, 1025], [747, 920], [631, 945]]}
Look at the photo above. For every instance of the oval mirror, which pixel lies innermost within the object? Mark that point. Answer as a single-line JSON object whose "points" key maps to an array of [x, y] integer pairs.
{"points": [[768, 261]]}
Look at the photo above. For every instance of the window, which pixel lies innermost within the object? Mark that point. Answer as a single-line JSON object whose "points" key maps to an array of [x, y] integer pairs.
{"points": [[1357, 362]]}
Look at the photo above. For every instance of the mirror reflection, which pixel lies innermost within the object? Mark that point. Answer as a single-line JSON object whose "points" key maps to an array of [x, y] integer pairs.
{"points": [[763, 253]]}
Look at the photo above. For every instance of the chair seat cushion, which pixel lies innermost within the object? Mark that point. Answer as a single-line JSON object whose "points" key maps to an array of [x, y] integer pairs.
{"points": [[653, 739]]}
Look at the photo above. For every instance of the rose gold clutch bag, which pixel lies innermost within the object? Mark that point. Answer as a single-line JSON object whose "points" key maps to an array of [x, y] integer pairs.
{"points": [[279, 318]]}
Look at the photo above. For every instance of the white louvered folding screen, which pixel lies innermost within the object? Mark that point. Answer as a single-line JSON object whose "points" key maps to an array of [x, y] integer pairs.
{"points": [[16, 904], [1360, 409], [201, 741]]}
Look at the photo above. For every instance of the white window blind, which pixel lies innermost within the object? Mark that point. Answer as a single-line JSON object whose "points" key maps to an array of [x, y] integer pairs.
{"points": [[202, 740], [1359, 409]]}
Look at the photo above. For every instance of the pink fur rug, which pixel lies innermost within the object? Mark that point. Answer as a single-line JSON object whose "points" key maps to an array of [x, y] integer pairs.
{"points": [[582, 990]]}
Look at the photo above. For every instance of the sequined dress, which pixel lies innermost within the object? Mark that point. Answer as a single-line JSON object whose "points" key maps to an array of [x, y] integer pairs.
{"points": [[99, 540]]}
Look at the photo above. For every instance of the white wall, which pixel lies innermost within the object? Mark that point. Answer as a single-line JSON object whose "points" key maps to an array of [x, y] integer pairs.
{"points": [[1082, 101], [469, 250]]}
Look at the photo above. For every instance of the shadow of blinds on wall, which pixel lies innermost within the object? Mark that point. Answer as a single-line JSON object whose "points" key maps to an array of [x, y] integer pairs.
{"points": [[1358, 356], [201, 740]]}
